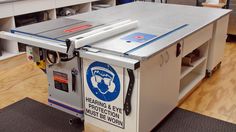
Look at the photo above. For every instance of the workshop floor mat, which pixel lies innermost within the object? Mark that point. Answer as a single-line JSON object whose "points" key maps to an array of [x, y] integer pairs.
{"points": [[181, 120], [28, 115]]}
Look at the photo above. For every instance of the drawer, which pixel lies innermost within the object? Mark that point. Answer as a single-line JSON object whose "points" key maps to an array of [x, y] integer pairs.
{"points": [[64, 3], [29, 6], [6, 10], [197, 39]]}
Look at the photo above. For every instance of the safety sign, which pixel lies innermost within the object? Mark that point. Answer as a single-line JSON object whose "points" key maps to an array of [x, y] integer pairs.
{"points": [[104, 93], [103, 81]]}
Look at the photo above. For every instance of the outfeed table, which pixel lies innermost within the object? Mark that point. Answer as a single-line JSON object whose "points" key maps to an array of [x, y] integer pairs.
{"points": [[119, 69]]}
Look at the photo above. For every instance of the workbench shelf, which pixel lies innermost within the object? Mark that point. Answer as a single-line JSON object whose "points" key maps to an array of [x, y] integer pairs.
{"points": [[192, 75], [8, 48], [80, 8], [97, 5], [187, 69], [6, 55], [27, 19], [109, 2], [203, 49], [189, 82], [31, 18]]}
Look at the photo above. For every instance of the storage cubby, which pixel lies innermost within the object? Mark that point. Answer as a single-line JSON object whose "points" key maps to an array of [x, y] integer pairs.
{"points": [[188, 82], [31, 18], [35, 17], [102, 4], [202, 57], [73, 10], [8, 48], [192, 74]]}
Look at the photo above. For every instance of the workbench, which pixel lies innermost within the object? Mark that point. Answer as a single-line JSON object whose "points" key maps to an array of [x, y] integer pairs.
{"points": [[131, 80], [163, 83]]}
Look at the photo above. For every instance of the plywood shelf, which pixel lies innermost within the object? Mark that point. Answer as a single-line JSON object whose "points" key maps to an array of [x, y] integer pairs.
{"points": [[192, 75], [7, 55], [186, 69], [189, 82], [80, 8]]}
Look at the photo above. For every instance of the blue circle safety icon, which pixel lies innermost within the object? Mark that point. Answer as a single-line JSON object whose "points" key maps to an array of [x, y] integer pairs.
{"points": [[103, 81]]}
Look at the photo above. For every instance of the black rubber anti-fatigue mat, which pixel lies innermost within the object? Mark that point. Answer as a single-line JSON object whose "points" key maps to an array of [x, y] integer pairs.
{"points": [[180, 120], [28, 115]]}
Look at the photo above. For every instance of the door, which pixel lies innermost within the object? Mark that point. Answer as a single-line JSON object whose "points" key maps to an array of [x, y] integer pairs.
{"points": [[151, 99], [172, 72]]}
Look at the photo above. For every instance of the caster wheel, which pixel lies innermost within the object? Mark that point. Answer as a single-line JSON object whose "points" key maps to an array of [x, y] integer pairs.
{"points": [[208, 74], [219, 65], [228, 38]]}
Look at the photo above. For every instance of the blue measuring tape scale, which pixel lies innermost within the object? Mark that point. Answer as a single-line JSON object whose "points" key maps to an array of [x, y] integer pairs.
{"points": [[157, 38]]}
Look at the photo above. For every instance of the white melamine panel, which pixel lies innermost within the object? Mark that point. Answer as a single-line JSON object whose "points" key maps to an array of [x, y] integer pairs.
{"points": [[151, 93], [217, 45], [6, 10], [130, 121], [159, 88], [182, 2], [110, 2], [172, 72], [64, 3], [6, 55], [5, 25], [29, 6], [197, 39]]}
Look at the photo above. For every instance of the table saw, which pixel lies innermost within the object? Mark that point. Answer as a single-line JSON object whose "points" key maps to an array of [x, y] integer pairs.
{"points": [[119, 69]]}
